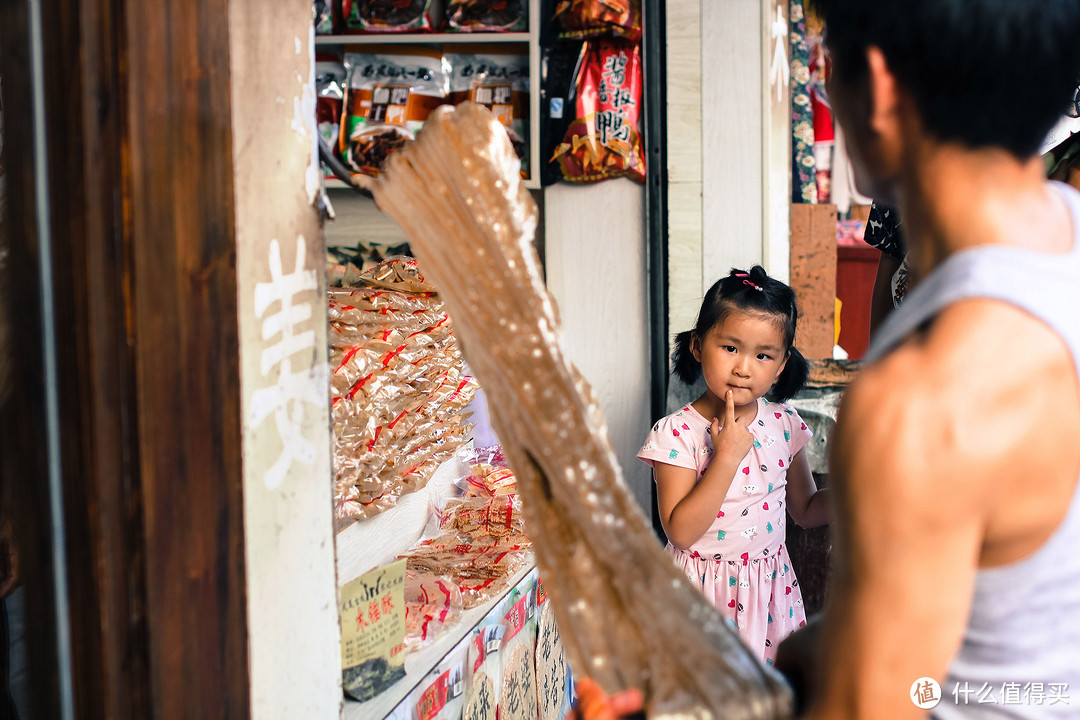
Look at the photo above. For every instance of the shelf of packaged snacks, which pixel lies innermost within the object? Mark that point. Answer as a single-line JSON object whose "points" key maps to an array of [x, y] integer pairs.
{"points": [[531, 38], [423, 38], [420, 663]]}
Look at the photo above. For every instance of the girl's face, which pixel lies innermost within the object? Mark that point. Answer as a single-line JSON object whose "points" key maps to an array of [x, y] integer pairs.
{"points": [[744, 353]]}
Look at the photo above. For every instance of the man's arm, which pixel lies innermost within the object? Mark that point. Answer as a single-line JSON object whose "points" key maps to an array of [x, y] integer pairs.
{"points": [[907, 533]]}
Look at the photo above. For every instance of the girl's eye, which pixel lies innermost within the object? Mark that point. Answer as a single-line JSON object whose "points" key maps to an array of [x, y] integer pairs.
{"points": [[729, 348], [763, 356]]}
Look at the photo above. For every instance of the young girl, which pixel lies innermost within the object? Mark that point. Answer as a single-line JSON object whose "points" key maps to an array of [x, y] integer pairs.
{"points": [[730, 465]]}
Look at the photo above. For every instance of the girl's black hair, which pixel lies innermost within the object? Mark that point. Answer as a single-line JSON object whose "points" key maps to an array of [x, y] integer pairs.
{"points": [[752, 291]]}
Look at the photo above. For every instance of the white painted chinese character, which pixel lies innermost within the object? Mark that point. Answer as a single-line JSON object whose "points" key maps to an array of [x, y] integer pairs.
{"points": [[285, 399], [1034, 694]]}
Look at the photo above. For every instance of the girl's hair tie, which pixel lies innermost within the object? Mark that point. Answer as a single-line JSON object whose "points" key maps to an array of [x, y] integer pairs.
{"points": [[748, 282]]}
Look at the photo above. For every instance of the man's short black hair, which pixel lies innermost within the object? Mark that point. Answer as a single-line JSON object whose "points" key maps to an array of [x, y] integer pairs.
{"points": [[982, 72]]}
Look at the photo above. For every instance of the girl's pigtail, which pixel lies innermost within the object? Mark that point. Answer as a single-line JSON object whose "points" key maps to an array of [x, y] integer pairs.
{"points": [[792, 379], [686, 366]]}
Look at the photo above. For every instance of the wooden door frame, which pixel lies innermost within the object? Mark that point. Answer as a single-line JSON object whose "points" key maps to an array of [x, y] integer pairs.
{"points": [[144, 385]]}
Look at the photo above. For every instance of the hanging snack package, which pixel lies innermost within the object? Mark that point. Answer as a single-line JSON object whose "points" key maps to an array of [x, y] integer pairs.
{"points": [[487, 16], [388, 97], [329, 96], [499, 82], [562, 63], [388, 16], [604, 139], [598, 18], [485, 682], [518, 700]]}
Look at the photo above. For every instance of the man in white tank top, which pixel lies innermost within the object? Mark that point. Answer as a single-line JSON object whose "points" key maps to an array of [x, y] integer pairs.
{"points": [[955, 586]]}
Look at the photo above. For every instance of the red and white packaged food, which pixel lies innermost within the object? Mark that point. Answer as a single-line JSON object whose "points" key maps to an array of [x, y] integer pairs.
{"points": [[604, 140], [432, 606]]}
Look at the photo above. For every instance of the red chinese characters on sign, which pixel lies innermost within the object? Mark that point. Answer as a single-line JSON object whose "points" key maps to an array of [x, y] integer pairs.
{"points": [[604, 141]]}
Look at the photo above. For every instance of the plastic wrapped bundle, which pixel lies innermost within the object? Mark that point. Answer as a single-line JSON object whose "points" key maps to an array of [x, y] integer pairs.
{"points": [[629, 617], [432, 606], [399, 389]]}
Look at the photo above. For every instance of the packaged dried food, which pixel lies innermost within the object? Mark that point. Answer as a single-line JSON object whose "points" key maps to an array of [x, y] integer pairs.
{"points": [[324, 17], [381, 16], [499, 82], [598, 18], [487, 16], [604, 139], [432, 606], [398, 273], [485, 480], [329, 96], [388, 97]]}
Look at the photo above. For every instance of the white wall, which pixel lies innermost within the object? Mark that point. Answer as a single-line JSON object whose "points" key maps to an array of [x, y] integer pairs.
{"points": [[596, 270]]}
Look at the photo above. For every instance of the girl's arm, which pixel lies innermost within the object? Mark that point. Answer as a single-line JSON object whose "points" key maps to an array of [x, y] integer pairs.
{"points": [[808, 506], [688, 508]]}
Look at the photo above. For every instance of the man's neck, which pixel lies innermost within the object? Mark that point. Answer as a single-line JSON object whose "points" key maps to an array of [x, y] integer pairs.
{"points": [[953, 199]]}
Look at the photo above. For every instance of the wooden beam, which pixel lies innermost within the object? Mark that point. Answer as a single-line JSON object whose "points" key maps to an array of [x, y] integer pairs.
{"points": [[139, 190]]}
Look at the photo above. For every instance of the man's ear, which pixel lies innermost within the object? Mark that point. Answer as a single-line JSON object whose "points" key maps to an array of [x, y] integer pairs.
{"points": [[884, 95]]}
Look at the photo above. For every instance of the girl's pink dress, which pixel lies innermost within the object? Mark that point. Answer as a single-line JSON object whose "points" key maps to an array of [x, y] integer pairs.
{"points": [[741, 563]]}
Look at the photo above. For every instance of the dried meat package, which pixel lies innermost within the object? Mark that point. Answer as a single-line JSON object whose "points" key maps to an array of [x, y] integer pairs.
{"points": [[598, 18], [380, 16], [487, 16], [603, 140], [499, 82], [388, 97], [329, 96]]}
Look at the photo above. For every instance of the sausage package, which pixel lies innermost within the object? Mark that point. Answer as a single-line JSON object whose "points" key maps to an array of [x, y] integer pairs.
{"points": [[499, 82], [388, 97]]}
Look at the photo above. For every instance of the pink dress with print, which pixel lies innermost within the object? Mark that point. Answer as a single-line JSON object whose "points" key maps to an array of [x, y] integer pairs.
{"points": [[741, 563]]}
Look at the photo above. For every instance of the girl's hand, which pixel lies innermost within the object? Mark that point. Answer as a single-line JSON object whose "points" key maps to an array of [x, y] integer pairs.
{"points": [[732, 439], [593, 704]]}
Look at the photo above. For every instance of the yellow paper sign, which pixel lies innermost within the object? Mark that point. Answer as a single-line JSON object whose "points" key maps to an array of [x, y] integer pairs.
{"points": [[373, 631]]}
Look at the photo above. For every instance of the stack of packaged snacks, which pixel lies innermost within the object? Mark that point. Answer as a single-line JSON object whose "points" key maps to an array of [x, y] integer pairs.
{"points": [[399, 389], [479, 539]]}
